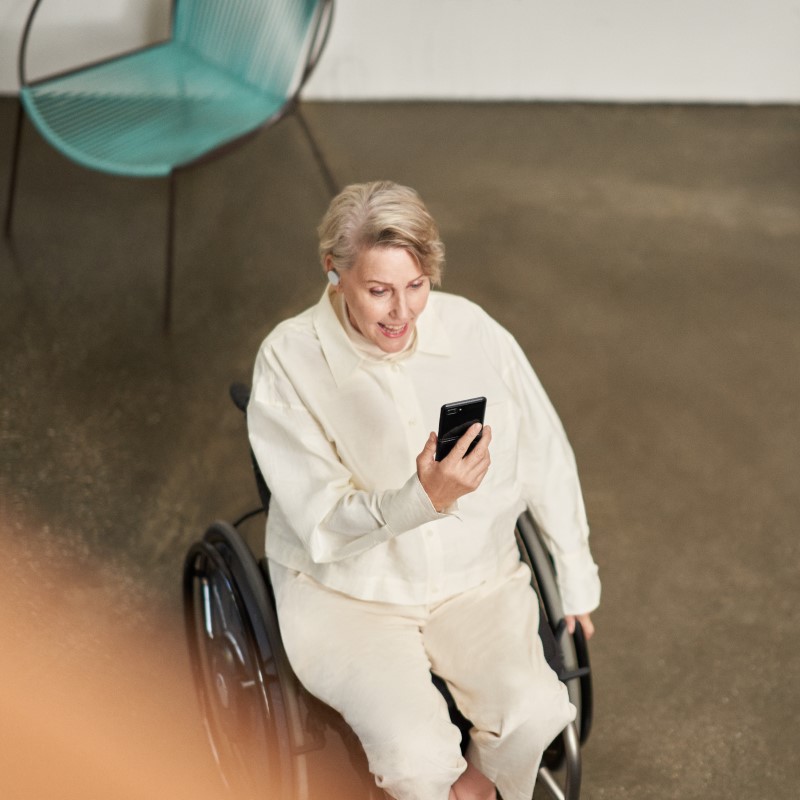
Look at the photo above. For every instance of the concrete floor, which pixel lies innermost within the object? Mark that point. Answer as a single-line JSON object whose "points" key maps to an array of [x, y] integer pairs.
{"points": [[645, 257]]}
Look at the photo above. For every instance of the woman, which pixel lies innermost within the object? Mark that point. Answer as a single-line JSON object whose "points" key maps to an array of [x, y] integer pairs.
{"points": [[388, 564]]}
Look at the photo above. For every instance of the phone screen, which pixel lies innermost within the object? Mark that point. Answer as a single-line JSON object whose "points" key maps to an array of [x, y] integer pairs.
{"points": [[454, 421]]}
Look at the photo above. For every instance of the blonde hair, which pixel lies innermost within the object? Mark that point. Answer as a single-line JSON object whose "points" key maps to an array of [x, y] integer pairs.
{"points": [[380, 214]]}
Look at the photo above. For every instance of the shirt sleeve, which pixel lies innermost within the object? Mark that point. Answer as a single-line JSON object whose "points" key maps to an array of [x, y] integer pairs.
{"points": [[551, 488], [332, 518]]}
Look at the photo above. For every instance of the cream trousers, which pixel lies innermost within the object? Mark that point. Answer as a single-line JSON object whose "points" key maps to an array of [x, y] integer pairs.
{"points": [[372, 663]]}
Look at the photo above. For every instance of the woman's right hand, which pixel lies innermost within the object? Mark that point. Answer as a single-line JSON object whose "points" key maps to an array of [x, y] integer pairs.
{"points": [[455, 475]]}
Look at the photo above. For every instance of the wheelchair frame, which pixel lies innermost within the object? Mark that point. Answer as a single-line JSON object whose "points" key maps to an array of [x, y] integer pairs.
{"points": [[262, 724]]}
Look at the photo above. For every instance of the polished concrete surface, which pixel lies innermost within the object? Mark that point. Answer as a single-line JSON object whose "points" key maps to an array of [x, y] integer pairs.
{"points": [[646, 258]]}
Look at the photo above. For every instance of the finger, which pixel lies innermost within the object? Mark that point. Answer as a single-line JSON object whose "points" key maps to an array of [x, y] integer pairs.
{"points": [[462, 445], [430, 445], [482, 448], [480, 459], [475, 465], [586, 624], [427, 456]]}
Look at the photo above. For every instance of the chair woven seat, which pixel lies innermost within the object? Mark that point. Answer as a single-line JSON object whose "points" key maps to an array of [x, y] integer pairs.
{"points": [[148, 112]]}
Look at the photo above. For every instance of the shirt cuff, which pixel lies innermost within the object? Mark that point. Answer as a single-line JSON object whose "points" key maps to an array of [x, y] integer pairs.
{"points": [[578, 581], [409, 507]]}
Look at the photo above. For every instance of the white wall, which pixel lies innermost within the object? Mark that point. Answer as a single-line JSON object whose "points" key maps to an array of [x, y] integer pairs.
{"points": [[619, 50], [70, 32], [629, 50]]}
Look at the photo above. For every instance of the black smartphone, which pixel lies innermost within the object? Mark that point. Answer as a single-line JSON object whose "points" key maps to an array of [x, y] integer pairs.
{"points": [[454, 421]]}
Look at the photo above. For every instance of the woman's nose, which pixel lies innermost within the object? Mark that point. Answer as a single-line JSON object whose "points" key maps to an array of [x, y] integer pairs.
{"points": [[400, 306]]}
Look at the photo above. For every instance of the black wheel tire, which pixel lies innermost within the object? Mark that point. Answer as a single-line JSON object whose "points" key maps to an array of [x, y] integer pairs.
{"points": [[235, 672]]}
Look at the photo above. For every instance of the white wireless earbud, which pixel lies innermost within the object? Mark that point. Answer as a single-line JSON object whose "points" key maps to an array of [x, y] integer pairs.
{"points": [[333, 277]]}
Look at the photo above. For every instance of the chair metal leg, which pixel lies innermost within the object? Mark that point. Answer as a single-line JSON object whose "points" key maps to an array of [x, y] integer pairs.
{"points": [[168, 272], [12, 181], [330, 181]]}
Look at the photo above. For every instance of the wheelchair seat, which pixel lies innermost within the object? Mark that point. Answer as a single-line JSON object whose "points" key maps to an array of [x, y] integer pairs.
{"points": [[259, 720]]}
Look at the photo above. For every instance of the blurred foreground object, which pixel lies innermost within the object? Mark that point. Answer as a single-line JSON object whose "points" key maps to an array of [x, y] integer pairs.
{"points": [[92, 706]]}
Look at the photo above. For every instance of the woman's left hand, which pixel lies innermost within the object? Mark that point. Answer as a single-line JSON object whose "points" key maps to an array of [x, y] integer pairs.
{"points": [[585, 621]]}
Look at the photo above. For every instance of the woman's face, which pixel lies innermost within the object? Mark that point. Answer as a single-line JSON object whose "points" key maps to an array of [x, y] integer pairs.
{"points": [[385, 291]]}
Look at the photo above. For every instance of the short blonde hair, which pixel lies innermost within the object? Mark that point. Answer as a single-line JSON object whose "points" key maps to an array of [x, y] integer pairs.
{"points": [[380, 214]]}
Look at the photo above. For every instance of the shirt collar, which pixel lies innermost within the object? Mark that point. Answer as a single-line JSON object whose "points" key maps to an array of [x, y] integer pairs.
{"points": [[343, 358]]}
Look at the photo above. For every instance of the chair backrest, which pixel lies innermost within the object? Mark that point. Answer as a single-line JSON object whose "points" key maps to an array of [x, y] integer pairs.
{"points": [[261, 42]]}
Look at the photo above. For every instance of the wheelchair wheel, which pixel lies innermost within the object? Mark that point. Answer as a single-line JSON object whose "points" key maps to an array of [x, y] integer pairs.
{"points": [[573, 653], [242, 681]]}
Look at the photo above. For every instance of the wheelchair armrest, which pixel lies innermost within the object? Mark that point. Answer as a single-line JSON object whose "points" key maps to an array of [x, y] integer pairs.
{"points": [[240, 394]]}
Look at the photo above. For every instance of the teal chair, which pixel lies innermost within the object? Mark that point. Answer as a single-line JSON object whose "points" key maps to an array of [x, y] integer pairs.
{"points": [[229, 68]]}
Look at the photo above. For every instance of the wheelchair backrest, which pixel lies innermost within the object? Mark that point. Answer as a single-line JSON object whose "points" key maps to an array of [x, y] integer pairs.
{"points": [[240, 394]]}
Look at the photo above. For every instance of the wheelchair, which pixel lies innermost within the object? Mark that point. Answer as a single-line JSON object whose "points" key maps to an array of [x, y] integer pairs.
{"points": [[262, 725]]}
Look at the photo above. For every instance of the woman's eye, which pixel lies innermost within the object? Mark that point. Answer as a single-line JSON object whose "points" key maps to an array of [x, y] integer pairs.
{"points": [[417, 284], [377, 292]]}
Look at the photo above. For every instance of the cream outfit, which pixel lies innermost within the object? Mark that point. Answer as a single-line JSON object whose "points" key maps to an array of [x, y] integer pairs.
{"points": [[372, 661], [337, 432], [373, 585]]}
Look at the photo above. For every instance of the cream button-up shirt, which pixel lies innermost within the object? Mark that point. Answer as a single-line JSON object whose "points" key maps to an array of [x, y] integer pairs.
{"points": [[336, 433]]}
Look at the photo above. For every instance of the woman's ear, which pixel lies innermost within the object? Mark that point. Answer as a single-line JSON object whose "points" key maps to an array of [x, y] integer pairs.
{"points": [[331, 273]]}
